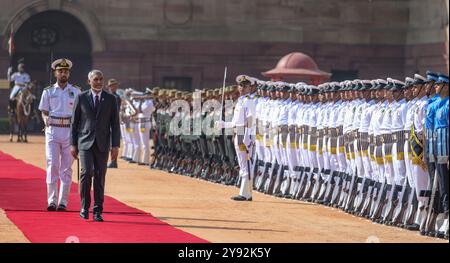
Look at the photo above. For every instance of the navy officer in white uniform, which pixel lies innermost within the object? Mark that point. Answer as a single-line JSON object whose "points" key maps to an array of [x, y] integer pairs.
{"points": [[56, 106]]}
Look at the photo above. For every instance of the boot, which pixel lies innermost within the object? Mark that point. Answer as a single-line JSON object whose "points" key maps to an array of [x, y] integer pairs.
{"points": [[414, 220], [112, 164], [441, 221]]}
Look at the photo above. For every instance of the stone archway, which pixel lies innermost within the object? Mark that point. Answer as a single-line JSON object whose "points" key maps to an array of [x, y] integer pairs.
{"points": [[49, 35], [88, 19]]}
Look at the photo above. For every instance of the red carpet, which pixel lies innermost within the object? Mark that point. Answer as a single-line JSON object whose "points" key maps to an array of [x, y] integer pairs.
{"points": [[23, 197]]}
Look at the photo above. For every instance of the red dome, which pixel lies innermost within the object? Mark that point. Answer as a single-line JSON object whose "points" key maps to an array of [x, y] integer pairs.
{"points": [[297, 60], [297, 65]]}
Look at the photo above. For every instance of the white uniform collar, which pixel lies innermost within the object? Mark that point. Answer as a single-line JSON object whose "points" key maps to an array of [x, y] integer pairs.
{"points": [[57, 86]]}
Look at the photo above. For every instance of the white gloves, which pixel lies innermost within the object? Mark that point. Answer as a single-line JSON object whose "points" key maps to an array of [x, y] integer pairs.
{"points": [[45, 119], [247, 140], [220, 124]]}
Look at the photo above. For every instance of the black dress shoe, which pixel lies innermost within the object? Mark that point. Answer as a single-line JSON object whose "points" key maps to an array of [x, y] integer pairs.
{"points": [[61, 208], [98, 217], [84, 214], [241, 198], [440, 235], [112, 164], [432, 233], [51, 207]]}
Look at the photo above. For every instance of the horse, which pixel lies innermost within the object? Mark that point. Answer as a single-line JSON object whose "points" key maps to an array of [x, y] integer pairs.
{"points": [[23, 109]]}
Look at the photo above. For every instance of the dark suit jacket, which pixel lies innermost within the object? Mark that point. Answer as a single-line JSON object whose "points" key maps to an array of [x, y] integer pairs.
{"points": [[102, 128], [118, 99]]}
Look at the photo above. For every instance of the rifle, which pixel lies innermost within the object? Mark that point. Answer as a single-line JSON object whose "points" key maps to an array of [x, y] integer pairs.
{"points": [[431, 215], [223, 92]]}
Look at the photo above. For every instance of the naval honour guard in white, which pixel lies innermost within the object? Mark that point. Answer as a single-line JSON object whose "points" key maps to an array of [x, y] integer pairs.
{"points": [[145, 108], [355, 145], [56, 106], [243, 143]]}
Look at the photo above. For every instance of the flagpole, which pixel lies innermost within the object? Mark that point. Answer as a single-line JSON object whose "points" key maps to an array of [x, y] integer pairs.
{"points": [[223, 91], [51, 72], [11, 53]]}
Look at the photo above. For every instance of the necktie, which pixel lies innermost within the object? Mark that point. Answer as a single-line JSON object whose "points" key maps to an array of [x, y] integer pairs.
{"points": [[96, 104]]}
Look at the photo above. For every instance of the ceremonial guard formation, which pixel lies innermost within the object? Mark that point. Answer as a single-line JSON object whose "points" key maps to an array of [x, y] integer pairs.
{"points": [[136, 120], [374, 148]]}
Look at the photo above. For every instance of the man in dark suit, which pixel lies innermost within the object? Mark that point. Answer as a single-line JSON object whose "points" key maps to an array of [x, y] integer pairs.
{"points": [[94, 130]]}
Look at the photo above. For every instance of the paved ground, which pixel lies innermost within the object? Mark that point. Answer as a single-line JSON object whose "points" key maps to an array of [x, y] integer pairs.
{"points": [[205, 209]]}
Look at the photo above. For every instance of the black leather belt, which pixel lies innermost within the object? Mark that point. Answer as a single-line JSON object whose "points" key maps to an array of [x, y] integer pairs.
{"points": [[60, 118], [320, 133], [339, 130], [378, 140], [62, 122], [60, 125], [386, 138], [398, 136]]}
